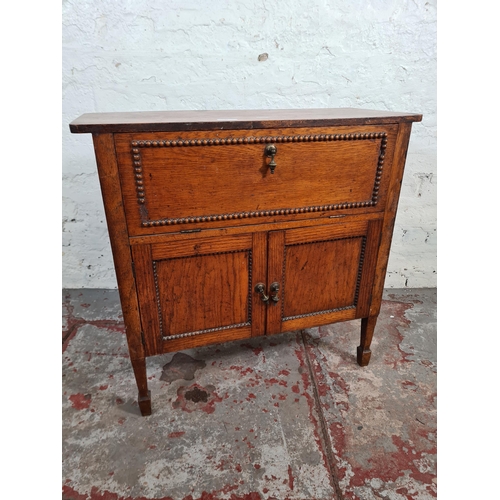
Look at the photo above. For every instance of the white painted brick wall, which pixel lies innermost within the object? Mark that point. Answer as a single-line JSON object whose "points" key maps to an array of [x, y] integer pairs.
{"points": [[186, 54]]}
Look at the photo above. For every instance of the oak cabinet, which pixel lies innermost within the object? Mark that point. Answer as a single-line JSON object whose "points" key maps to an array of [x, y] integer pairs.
{"points": [[229, 225]]}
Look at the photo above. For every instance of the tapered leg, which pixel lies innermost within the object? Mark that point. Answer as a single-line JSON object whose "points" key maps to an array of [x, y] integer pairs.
{"points": [[144, 398], [367, 328]]}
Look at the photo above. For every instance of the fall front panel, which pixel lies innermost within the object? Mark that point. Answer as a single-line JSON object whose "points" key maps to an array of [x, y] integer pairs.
{"points": [[210, 177]]}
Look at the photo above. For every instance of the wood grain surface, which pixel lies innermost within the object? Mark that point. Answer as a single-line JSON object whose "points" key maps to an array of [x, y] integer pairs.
{"points": [[151, 121]]}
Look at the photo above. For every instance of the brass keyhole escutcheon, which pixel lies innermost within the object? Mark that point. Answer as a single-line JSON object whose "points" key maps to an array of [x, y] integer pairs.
{"points": [[270, 151]]}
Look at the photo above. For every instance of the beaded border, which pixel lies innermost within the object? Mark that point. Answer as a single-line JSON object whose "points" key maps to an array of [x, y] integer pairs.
{"points": [[199, 332], [139, 182], [208, 330], [326, 311]]}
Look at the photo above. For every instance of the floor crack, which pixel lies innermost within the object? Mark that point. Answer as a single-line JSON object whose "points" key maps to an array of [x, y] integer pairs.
{"points": [[327, 444]]}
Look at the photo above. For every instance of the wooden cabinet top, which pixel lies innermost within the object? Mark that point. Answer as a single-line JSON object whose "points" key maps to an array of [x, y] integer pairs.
{"points": [[164, 121]]}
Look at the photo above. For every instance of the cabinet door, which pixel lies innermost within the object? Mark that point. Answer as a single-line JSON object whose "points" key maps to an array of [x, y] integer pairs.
{"points": [[324, 274], [200, 291]]}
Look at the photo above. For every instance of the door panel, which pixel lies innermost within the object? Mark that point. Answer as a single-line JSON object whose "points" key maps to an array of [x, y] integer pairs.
{"points": [[325, 273], [315, 267], [199, 291], [203, 292]]}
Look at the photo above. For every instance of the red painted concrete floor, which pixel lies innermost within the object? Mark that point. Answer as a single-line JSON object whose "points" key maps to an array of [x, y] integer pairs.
{"points": [[284, 417]]}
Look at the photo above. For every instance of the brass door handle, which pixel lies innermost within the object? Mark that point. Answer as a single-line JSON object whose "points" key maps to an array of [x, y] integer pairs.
{"points": [[260, 288], [271, 150], [275, 288]]}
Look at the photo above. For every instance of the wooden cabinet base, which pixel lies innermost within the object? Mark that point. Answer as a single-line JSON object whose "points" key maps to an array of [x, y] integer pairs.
{"points": [[230, 225]]}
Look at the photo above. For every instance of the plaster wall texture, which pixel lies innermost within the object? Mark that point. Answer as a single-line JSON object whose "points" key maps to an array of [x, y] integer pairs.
{"points": [[156, 55]]}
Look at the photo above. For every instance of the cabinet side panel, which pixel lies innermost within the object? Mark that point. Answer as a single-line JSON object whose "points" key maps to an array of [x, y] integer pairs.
{"points": [[146, 288], [398, 165], [368, 270], [107, 167]]}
